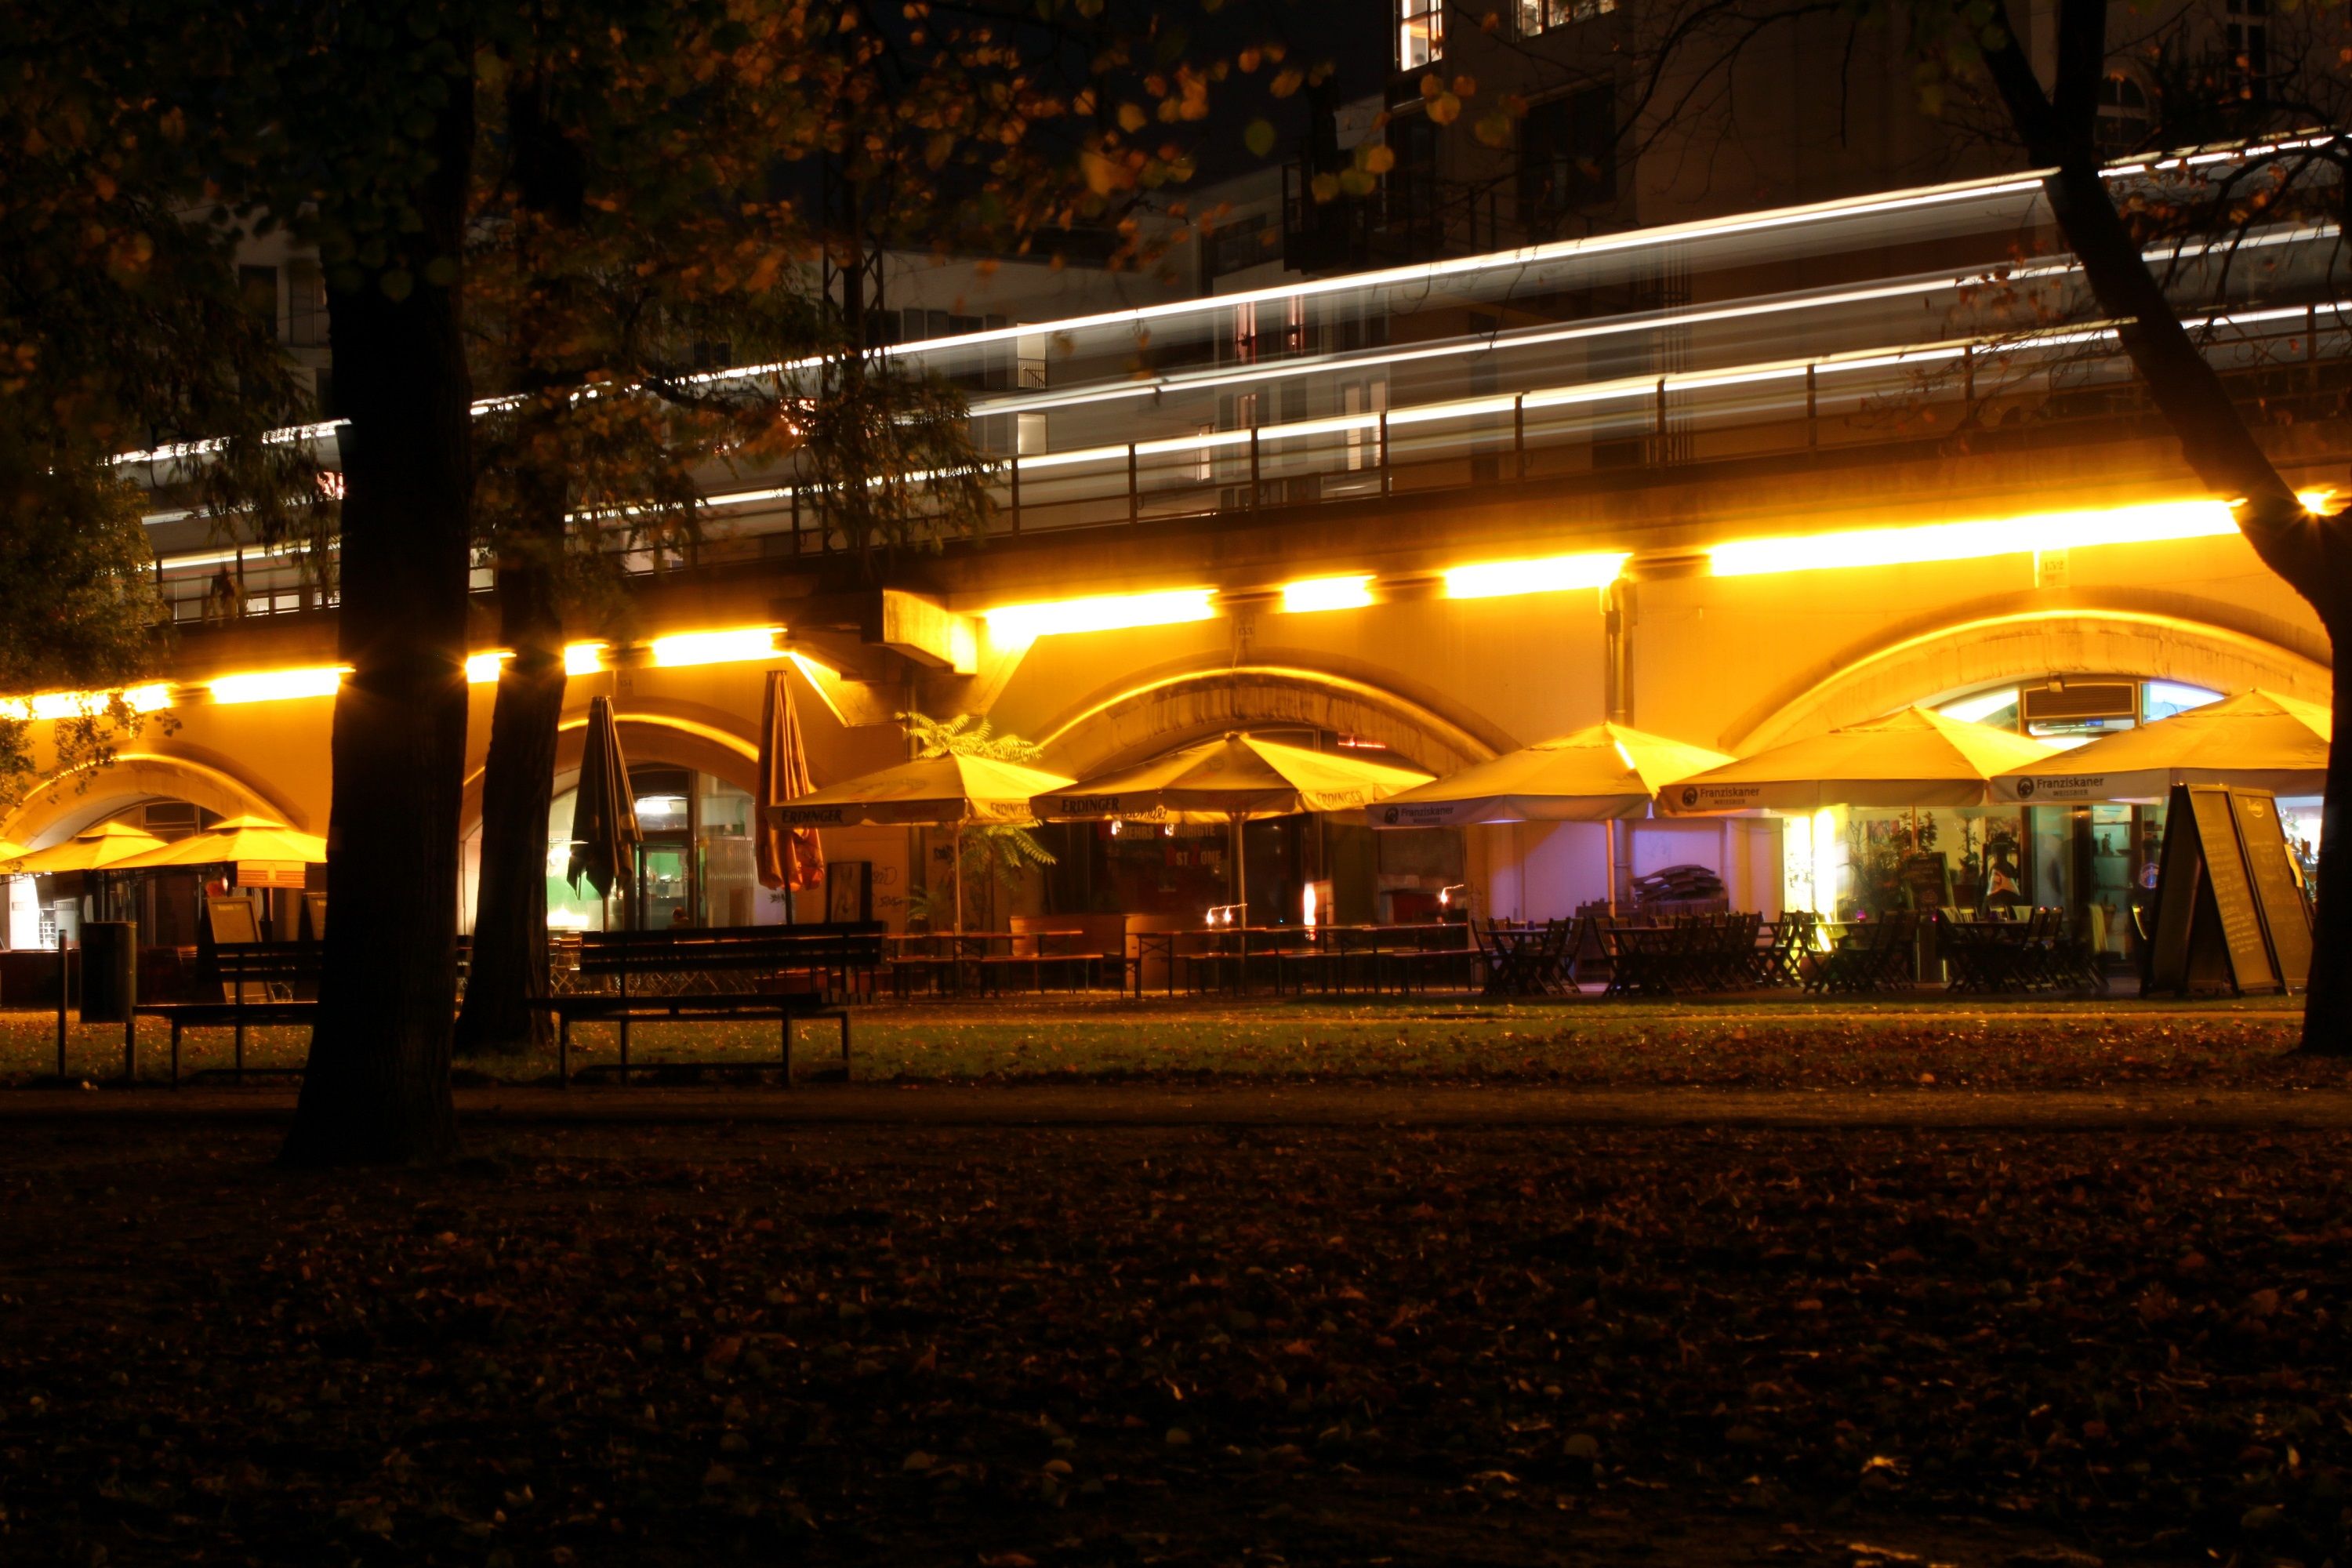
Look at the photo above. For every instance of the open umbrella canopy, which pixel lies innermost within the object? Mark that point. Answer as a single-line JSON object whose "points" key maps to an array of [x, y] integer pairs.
{"points": [[949, 788], [790, 858], [100, 848], [1596, 775], [234, 840], [605, 812], [2256, 740], [1225, 779], [1915, 757]]}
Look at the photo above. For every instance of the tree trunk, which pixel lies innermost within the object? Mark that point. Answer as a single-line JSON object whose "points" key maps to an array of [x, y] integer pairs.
{"points": [[2313, 553], [377, 1087], [510, 956], [2327, 1009]]}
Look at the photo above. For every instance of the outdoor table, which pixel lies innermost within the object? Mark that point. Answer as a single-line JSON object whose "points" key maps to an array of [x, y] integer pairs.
{"points": [[1987, 956], [976, 950], [1524, 959], [1227, 950], [1641, 958], [1147, 943]]}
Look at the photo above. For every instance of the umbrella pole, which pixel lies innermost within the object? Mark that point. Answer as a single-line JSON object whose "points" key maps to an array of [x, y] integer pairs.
{"points": [[1241, 870], [959, 880], [1610, 826]]}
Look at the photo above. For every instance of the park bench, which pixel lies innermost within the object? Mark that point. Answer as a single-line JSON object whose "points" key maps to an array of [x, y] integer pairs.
{"points": [[261, 983], [779, 974]]}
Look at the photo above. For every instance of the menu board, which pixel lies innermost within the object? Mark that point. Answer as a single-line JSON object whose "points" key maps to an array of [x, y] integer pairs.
{"points": [[233, 922], [2278, 891], [2210, 932]]}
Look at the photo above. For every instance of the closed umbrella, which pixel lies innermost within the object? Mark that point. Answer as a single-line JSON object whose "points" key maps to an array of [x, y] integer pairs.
{"points": [[1232, 780], [1597, 775], [2256, 740], [265, 853], [952, 788], [790, 859], [1912, 758], [605, 812]]}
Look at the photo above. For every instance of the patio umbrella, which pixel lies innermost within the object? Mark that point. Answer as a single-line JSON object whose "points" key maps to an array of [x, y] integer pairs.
{"points": [[790, 859], [1596, 775], [2256, 740], [100, 848], [605, 812], [951, 788], [1230, 780], [265, 853], [1911, 758]]}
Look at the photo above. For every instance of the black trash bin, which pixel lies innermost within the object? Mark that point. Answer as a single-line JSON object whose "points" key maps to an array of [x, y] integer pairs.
{"points": [[109, 971]]}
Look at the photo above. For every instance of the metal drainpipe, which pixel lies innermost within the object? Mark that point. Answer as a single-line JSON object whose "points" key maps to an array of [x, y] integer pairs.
{"points": [[1619, 615]]}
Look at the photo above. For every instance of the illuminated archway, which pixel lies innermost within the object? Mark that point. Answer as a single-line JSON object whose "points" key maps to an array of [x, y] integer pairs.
{"points": [[1167, 712], [1931, 665], [674, 739], [63, 806]]}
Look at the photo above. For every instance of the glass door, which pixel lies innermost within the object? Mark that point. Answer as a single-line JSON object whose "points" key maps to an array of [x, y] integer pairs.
{"points": [[665, 887], [2113, 856]]}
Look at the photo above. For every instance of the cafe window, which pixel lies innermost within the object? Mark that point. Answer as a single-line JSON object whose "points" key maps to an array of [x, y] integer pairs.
{"points": [[694, 867]]}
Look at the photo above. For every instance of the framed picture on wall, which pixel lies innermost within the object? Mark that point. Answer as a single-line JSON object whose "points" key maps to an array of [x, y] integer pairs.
{"points": [[848, 891]]}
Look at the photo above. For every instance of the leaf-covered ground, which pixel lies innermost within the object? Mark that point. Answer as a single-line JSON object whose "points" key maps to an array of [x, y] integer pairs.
{"points": [[1776, 1042], [1008, 1346]]}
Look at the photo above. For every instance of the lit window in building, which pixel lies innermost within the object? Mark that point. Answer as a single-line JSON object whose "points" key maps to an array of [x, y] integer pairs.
{"points": [[2123, 116], [2163, 698], [1539, 16], [1997, 707], [1245, 336], [1421, 33]]}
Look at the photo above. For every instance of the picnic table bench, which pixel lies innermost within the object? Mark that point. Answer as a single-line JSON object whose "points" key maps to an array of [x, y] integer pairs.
{"points": [[261, 983], [780, 973], [945, 960]]}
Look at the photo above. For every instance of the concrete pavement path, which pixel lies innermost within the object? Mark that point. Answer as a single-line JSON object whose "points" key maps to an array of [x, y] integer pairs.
{"points": [[2133, 1107]]}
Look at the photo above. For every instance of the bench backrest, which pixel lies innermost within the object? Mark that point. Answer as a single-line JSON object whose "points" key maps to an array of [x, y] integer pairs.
{"points": [[712, 948], [267, 960]]}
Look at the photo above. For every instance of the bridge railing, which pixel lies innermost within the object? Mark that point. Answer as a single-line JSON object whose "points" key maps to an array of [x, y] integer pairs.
{"points": [[2061, 387]]}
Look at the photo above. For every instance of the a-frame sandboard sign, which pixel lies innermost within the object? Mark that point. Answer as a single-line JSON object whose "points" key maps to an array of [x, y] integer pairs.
{"points": [[2230, 913]]}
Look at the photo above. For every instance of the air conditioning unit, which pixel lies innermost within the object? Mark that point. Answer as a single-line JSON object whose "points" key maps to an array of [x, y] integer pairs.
{"points": [[2081, 707]]}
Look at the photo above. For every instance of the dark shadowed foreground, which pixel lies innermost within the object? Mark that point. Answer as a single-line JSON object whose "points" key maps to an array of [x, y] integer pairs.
{"points": [[1002, 1345]]}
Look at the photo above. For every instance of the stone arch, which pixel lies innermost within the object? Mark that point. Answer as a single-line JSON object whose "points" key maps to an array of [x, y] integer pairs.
{"points": [[1171, 710], [707, 744], [63, 806], [1940, 661]]}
